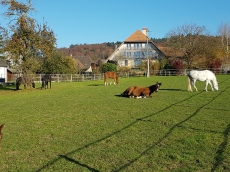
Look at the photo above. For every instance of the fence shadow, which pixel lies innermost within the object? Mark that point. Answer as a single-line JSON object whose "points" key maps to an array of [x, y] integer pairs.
{"points": [[145, 119], [219, 153], [117, 132]]}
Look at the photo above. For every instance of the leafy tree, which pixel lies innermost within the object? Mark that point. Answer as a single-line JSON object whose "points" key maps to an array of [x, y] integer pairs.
{"points": [[178, 65], [58, 64], [27, 41], [153, 66], [188, 41], [109, 67]]}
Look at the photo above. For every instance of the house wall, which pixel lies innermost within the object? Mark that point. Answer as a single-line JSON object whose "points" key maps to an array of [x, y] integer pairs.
{"points": [[3, 73]]}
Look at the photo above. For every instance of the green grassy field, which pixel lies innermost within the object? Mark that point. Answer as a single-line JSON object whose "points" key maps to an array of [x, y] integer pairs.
{"points": [[85, 126]]}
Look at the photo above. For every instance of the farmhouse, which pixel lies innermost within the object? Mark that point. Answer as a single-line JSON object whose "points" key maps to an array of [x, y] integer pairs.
{"points": [[85, 64], [136, 49]]}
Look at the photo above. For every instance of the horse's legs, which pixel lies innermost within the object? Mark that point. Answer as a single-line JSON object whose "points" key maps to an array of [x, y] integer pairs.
{"points": [[105, 80], [208, 82], [193, 83]]}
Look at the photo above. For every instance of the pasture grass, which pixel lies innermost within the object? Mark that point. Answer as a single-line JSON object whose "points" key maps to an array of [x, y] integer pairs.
{"points": [[86, 126]]}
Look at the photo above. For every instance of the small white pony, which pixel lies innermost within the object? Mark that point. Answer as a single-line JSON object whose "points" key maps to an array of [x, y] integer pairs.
{"points": [[204, 75]]}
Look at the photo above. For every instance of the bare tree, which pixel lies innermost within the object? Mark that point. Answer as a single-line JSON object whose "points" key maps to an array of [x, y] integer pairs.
{"points": [[188, 41], [224, 31]]}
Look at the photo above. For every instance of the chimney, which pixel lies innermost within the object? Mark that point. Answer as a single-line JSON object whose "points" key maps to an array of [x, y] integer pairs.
{"points": [[145, 31]]}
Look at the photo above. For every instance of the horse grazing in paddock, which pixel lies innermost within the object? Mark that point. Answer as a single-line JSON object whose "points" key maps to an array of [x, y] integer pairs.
{"points": [[141, 92], [204, 75], [1, 133], [20, 81], [46, 79], [112, 76]]}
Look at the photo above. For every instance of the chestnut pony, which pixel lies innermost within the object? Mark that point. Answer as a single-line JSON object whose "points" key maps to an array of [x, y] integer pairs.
{"points": [[112, 76], [141, 92]]}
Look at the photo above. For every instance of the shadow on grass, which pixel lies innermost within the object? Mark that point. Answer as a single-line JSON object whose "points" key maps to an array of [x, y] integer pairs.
{"points": [[144, 119], [95, 85], [6, 88], [172, 89], [77, 162], [219, 153]]}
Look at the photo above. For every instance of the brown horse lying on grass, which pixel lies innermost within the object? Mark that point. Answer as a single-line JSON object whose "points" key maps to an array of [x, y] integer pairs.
{"points": [[141, 92]]}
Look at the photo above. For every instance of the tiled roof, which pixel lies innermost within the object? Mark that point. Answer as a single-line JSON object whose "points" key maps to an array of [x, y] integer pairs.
{"points": [[84, 61], [137, 36]]}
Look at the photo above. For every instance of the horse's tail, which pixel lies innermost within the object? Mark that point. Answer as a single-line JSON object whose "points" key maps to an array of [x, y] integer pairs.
{"points": [[189, 83], [50, 80]]}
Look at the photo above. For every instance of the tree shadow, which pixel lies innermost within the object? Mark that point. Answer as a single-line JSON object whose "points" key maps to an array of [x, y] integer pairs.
{"points": [[143, 119], [78, 163], [219, 153], [7, 88]]}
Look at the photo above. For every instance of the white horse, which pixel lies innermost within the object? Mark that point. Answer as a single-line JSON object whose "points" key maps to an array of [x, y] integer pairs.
{"points": [[204, 75]]}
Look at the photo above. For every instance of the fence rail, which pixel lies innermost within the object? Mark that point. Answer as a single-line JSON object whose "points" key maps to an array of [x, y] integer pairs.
{"points": [[90, 77]]}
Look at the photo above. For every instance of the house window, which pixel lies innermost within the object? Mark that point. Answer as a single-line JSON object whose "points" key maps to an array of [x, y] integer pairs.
{"points": [[128, 46], [127, 54], [137, 46], [137, 62], [137, 54], [150, 53], [126, 62]]}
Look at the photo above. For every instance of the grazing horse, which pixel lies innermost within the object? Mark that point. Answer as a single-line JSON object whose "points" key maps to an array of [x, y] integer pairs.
{"points": [[204, 75], [141, 92], [46, 79], [1, 133], [111, 75], [20, 81]]}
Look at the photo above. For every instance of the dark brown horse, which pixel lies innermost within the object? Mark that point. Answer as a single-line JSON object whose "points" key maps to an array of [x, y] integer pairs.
{"points": [[141, 92], [46, 79], [1, 133], [20, 81], [112, 76]]}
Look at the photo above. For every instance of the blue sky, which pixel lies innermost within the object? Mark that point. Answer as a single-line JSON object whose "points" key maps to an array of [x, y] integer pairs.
{"points": [[98, 21]]}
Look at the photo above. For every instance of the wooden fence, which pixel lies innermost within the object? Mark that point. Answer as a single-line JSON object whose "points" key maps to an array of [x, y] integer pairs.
{"points": [[93, 77]]}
